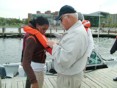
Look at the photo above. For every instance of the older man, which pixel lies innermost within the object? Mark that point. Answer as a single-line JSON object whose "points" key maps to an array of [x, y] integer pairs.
{"points": [[70, 53]]}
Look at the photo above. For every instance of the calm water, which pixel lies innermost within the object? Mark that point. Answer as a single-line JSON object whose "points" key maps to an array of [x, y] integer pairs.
{"points": [[103, 46], [10, 49]]}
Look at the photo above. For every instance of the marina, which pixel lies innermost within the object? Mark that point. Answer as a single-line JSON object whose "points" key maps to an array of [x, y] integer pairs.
{"points": [[93, 78], [99, 66]]}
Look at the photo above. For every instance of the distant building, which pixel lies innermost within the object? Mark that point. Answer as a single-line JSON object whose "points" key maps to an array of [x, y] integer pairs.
{"points": [[97, 19], [48, 16], [48, 12], [38, 12], [113, 19]]}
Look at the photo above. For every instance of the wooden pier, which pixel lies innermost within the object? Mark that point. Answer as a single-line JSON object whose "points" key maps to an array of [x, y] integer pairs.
{"points": [[101, 78], [18, 32], [7, 32]]}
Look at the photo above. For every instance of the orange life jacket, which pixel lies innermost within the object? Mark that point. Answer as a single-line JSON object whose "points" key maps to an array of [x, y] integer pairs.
{"points": [[86, 29], [42, 39]]}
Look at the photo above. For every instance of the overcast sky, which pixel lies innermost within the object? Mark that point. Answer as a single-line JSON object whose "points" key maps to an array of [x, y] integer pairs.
{"points": [[21, 8]]}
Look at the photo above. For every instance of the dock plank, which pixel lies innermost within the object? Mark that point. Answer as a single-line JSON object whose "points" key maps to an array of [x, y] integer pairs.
{"points": [[52, 81], [8, 83], [3, 84], [14, 85], [47, 83], [87, 83], [101, 78]]}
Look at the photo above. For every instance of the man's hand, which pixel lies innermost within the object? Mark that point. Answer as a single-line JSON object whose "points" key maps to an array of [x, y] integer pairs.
{"points": [[51, 43]]}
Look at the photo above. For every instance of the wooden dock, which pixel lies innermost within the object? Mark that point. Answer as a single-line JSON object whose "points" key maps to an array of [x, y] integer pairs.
{"points": [[102, 78], [19, 33]]}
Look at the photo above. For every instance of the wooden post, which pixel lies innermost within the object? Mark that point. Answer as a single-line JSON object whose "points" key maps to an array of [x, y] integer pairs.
{"points": [[19, 30], [3, 31]]}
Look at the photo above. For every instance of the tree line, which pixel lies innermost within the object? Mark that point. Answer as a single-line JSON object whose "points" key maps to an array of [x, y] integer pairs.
{"points": [[12, 22]]}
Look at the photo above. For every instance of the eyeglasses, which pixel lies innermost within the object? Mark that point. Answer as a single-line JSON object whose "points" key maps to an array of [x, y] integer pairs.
{"points": [[61, 18], [65, 15]]}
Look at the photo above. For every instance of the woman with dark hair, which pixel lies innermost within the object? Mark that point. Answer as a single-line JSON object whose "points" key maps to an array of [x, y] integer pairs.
{"points": [[34, 54]]}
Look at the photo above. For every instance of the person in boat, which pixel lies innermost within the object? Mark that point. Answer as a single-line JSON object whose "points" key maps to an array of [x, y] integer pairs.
{"points": [[112, 50], [87, 26], [70, 52], [34, 53]]}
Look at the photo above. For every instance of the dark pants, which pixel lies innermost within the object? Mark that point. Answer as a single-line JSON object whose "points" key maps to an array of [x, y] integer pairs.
{"points": [[28, 84]]}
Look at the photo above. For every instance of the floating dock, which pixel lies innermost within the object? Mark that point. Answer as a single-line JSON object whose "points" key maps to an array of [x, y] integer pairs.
{"points": [[101, 78]]}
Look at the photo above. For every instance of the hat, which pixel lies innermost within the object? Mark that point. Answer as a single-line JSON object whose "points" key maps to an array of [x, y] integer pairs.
{"points": [[64, 10]]}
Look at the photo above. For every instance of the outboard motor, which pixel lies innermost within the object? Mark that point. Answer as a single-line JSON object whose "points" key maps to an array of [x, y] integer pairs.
{"points": [[2, 72]]}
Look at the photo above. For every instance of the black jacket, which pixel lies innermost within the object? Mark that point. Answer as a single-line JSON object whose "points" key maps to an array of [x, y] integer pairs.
{"points": [[114, 47]]}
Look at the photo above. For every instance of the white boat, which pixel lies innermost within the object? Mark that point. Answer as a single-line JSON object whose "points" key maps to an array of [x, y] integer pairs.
{"points": [[11, 69]]}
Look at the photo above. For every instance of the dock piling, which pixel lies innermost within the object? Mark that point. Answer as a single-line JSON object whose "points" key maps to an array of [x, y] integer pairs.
{"points": [[19, 30], [3, 31]]}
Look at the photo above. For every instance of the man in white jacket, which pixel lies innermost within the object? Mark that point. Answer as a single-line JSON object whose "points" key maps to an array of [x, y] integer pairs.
{"points": [[70, 53]]}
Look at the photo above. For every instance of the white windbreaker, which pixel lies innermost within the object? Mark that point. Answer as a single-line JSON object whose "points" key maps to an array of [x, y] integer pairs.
{"points": [[91, 42], [70, 54]]}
